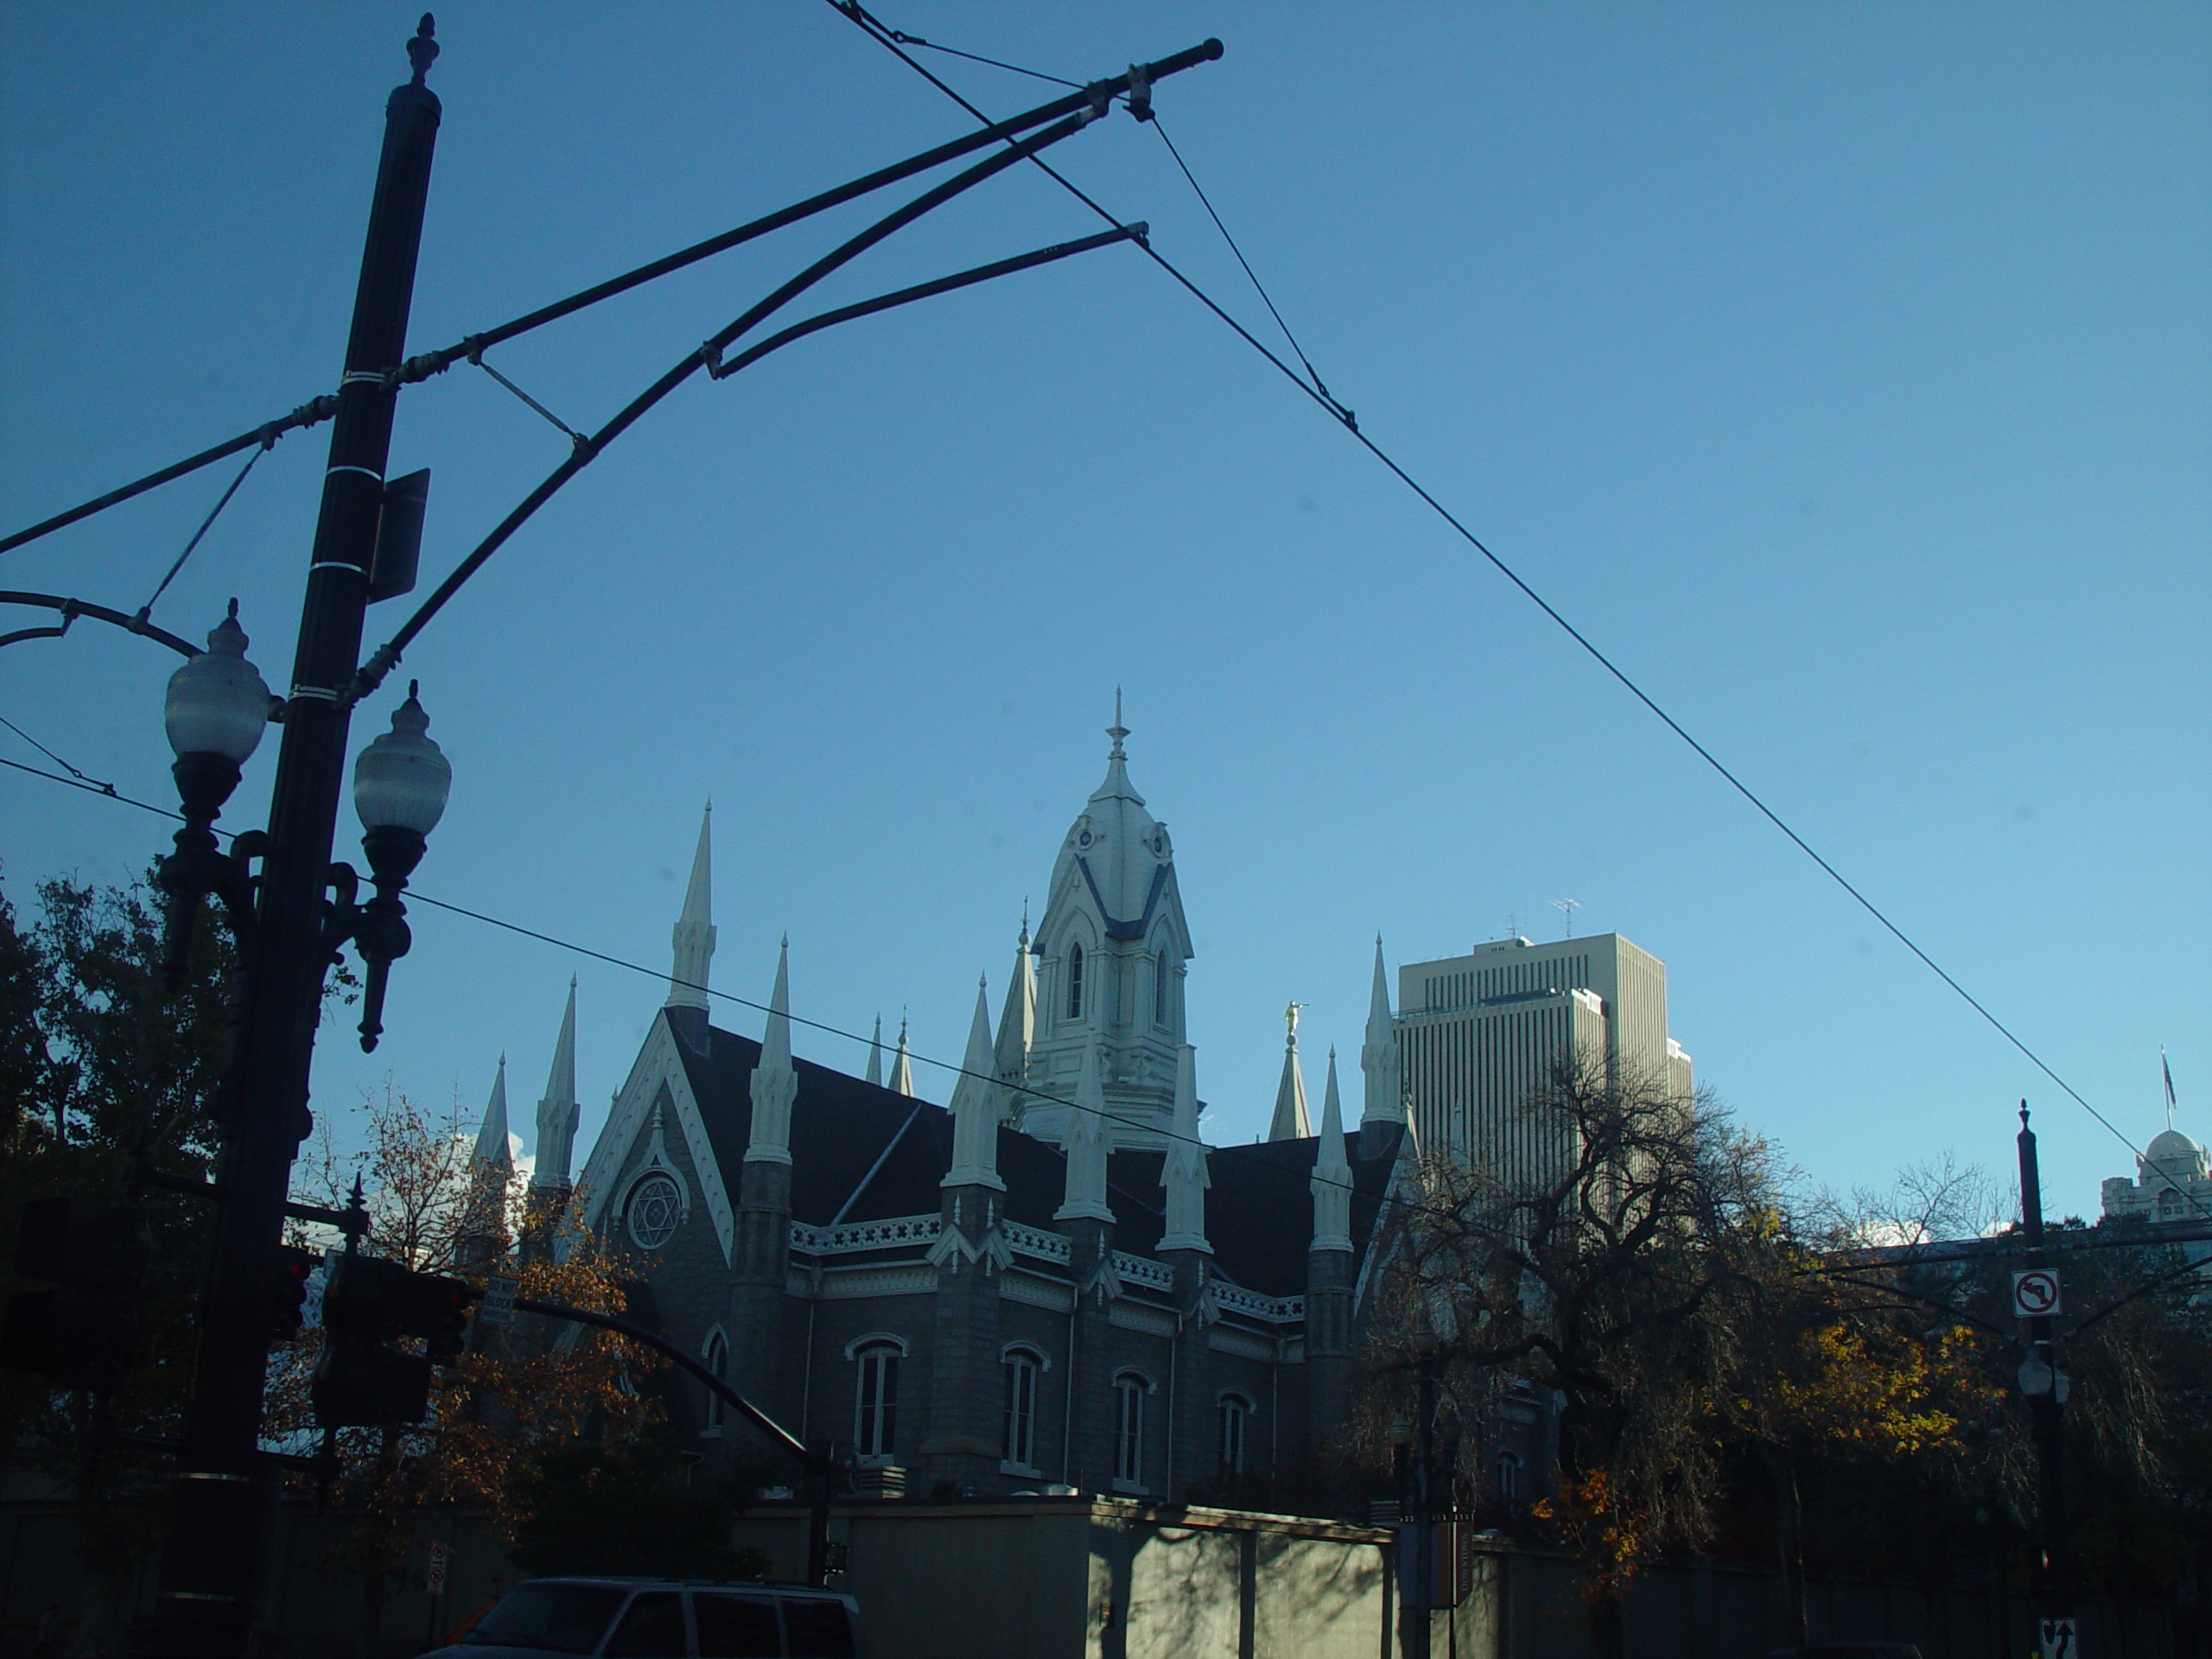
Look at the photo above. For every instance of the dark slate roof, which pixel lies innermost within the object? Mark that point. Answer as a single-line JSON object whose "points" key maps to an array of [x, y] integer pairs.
{"points": [[1259, 1214]]}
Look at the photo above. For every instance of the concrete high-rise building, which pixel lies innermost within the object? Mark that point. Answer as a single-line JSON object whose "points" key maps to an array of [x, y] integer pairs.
{"points": [[1478, 1034]]}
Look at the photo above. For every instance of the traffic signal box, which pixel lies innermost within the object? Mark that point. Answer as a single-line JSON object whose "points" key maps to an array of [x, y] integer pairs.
{"points": [[367, 1305], [84, 1332]]}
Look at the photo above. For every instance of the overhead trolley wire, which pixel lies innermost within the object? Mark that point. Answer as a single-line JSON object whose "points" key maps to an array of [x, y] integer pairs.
{"points": [[881, 34]]}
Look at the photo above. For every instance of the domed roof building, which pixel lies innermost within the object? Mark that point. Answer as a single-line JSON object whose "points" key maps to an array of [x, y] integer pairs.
{"points": [[2173, 1182]]}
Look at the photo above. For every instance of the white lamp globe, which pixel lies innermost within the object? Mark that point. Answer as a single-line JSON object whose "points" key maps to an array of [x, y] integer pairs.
{"points": [[400, 780], [217, 703]]}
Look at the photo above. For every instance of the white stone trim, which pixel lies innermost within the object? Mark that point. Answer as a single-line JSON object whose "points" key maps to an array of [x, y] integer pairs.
{"points": [[878, 1339], [658, 1062]]}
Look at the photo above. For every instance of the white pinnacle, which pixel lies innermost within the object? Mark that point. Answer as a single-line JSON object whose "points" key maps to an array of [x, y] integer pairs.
{"points": [[975, 1108], [875, 1054], [490, 1152], [1384, 1100], [1331, 1174], [902, 1066], [775, 1082], [1185, 1176], [693, 936], [559, 1112], [1086, 1147], [1291, 1121]]}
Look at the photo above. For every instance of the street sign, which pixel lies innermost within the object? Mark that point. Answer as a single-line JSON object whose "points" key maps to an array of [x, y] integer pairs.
{"points": [[2058, 1638], [433, 1581], [498, 1306], [2035, 1292]]}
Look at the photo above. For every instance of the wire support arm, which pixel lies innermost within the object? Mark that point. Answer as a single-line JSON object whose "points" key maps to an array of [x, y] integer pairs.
{"points": [[372, 673], [71, 609], [785, 1440], [752, 355]]}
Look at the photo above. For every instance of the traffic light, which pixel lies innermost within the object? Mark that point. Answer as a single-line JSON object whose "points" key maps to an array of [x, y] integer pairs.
{"points": [[84, 1332], [367, 1304]]}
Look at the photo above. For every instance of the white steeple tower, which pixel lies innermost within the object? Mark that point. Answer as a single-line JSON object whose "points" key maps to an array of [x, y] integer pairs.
{"points": [[694, 934], [976, 1108], [490, 1152], [1086, 1147], [902, 1066], [775, 1083], [1112, 943], [1185, 1176], [1331, 1174], [1385, 1100], [1017, 1030], [1291, 1121], [559, 1112], [875, 1054]]}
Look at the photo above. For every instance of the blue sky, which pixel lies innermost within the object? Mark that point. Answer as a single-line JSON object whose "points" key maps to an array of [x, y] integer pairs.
{"points": [[1842, 372]]}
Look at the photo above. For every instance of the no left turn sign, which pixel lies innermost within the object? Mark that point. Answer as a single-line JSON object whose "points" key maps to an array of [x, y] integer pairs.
{"points": [[2035, 1292]]}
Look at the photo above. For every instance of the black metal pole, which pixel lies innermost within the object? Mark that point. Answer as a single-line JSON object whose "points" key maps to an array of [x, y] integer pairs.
{"points": [[2052, 1582], [1417, 1591], [222, 1501]]}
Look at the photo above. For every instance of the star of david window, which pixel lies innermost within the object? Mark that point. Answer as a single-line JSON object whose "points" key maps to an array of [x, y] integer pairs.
{"points": [[656, 1205]]}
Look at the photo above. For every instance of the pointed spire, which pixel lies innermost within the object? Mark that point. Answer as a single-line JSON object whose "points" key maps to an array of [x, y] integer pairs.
{"points": [[1185, 1177], [1117, 785], [875, 1054], [975, 1108], [775, 1083], [1017, 1028], [1385, 1101], [491, 1151], [1291, 1121], [1331, 1174], [902, 1066], [694, 934], [558, 1113], [1086, 1146]]}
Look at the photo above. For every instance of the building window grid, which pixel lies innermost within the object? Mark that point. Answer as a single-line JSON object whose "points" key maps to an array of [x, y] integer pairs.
{"points": [[876, 1406], [1129, 1391], [1019, 1439], [717, 1358]]}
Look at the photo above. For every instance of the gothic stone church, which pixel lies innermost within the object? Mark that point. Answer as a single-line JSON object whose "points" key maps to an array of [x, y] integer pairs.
{"points": [[1050, 1283]]}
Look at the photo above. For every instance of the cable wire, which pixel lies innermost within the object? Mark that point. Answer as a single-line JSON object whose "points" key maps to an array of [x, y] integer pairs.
{"points": [[879, 32], [86, 778], [954, 51], [146, 610]]}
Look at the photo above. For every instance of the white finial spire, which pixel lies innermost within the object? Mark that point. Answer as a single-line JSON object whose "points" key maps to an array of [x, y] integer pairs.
{"points": [[1384, 1101], [491, 1151], [975, 1108], [1185, 1177], [775, 1082], [902, 1068], [875, 1054], [1017, 1028], [694, 935], [1291, 1121], [1117, 731], [559, 1112], [1086, 1147], [1331, 1174]]}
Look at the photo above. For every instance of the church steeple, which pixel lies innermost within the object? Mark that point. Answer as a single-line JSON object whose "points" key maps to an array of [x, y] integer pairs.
{"points": [[490, 1152], [558, 1113], [875, 1054], [693, 938], [902, 1066], [775, 1082], [1290, 1121], [1017, 1030], [1086, 1147], [1185, 1176], [976, 1108], [1331, 1174], [1111, 946], [1384, 1099]]}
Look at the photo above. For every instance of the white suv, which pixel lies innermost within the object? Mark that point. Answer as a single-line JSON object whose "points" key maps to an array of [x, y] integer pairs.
{"points": [[661, 1618]]}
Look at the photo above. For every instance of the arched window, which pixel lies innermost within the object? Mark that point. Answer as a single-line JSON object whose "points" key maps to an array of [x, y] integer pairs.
{"points": [[717, 1358], [875, 1400], [1129, 1390], [1236, 1414], [1018, 1446], [1505, 1477], [1075, 981], [1163, 1005]]}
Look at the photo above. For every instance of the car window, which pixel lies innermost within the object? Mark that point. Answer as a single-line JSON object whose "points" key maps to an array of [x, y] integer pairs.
{"points": [[818, 1629], [558, 1617], [651, 1629], [735, 1627]]}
